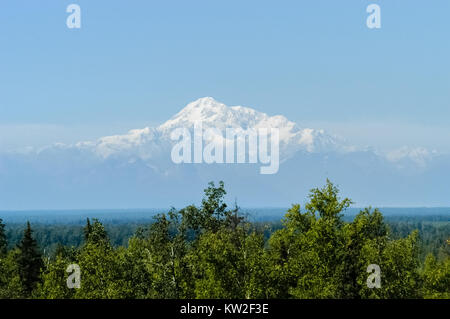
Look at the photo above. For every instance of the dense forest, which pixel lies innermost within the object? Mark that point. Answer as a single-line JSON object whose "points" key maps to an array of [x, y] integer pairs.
{"points": [[214, 251]]}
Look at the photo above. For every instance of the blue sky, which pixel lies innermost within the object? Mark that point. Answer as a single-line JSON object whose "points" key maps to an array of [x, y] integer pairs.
{"points": [[136, 63]]}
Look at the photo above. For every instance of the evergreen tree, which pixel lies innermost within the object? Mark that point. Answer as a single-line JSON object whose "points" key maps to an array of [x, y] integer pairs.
{"points": [[29, 260], [87, 230], [3, 242], [95, 233]]}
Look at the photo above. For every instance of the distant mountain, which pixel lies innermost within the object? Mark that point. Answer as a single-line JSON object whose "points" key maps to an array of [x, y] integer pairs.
{"points": [[136, 170], [149, 142]]}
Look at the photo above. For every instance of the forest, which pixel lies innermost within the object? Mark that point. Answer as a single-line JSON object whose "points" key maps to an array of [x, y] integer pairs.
{"points": [[214, 251]]}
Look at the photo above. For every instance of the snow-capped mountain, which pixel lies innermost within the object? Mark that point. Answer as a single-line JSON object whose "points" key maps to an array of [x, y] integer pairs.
{"points": [[153, 142], [136, 169]]}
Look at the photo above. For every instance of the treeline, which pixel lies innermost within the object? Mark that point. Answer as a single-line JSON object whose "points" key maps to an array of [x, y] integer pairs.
{"points": [[50, 236], [432, 234], [212, 251]]}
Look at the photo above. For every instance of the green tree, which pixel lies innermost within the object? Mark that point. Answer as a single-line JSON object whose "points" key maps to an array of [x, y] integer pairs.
{"points": [[367, 226], [308, 254], [54, 280], [136, 259], [87, 230], [102, 268], [11, 286], [29, 260], [212, 251], [213, 212], [166, 261], [399, 264], [285, 246], [436, 278], [230, 263], [95, 233], [3, 241]]}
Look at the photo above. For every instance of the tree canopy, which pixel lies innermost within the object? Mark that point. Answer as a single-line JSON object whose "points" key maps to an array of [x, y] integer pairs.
{"points": [[214, 251]]}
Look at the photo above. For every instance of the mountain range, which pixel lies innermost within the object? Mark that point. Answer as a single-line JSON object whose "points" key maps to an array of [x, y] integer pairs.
{"points": [[135, 169]]}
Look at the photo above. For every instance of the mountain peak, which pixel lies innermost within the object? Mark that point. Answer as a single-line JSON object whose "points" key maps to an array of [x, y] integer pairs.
{"points": [[207, 110], [202, 108], [205, 101], [145, 143]]}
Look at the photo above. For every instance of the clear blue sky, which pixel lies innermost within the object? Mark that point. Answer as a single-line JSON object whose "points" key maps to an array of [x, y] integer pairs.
{"points": [[136, 63]]}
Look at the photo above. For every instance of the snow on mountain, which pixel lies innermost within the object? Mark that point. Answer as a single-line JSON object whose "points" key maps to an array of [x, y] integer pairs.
{"points": [[154, 143], [417, 155], [147, 142], [136, 169]]}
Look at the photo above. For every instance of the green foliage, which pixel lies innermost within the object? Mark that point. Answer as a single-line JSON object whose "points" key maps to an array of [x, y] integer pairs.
{"points": [[166, 257], [136, 259], [212, 251], [30, 261], [211, 215], [312, 253], [398, 260], [95, 233], [367, 229], [436, 277], [3, 242], [326, 202], [54, 280], [229, 264], [102, 267], [11, 286]]}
